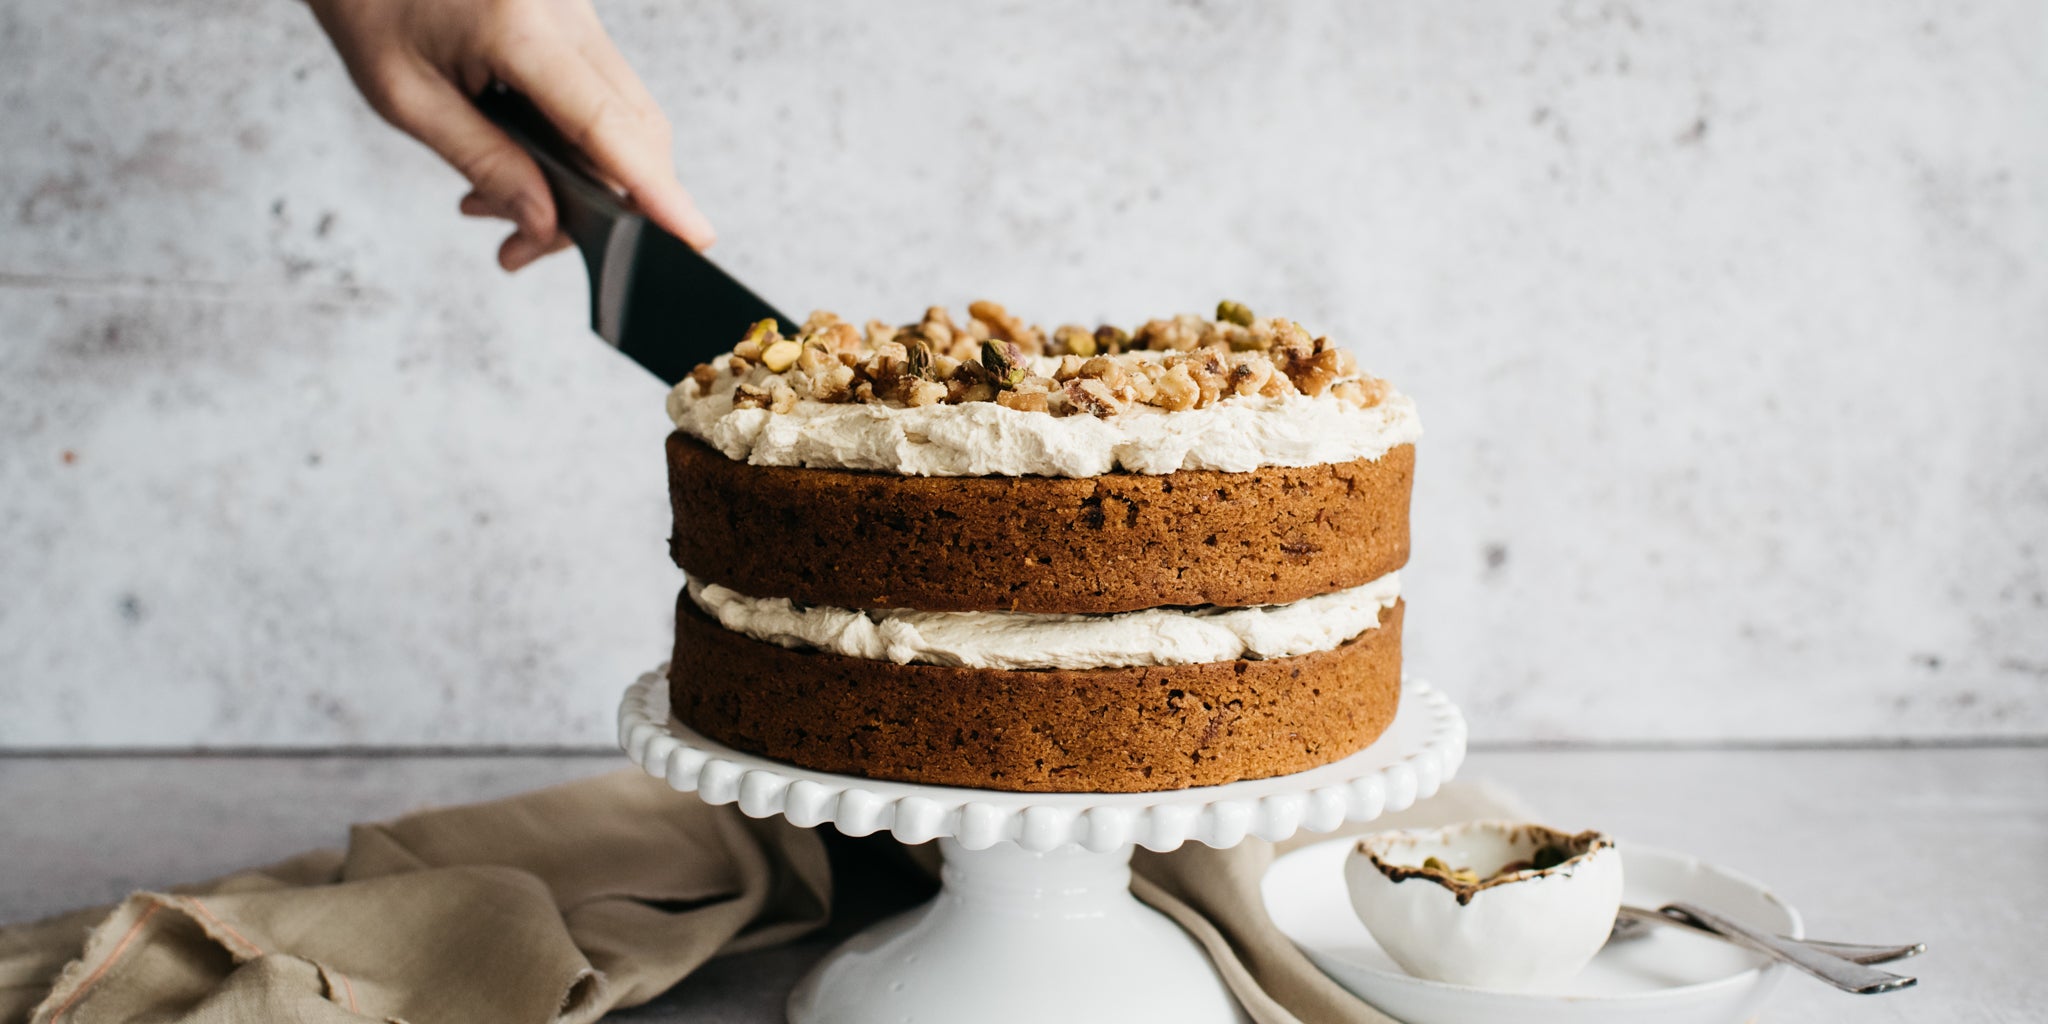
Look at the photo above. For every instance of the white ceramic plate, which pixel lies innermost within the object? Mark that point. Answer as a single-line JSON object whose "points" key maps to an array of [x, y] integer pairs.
{"points": [[1420, 749], [1670, 977]]}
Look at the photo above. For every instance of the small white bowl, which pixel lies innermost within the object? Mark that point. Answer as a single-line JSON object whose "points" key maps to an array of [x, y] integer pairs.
{"points": [[1525, 930], [1670, 976]]}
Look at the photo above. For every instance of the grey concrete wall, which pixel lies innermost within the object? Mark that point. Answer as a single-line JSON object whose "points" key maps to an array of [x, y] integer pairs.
{"points": [[1728, 320]]}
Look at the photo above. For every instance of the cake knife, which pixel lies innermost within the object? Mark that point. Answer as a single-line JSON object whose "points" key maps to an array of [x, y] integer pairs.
{"points": [[652, 297]]}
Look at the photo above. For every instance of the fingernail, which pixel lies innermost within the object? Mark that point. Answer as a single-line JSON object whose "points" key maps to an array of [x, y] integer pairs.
{"points": [[674, 211], [697, 229]]}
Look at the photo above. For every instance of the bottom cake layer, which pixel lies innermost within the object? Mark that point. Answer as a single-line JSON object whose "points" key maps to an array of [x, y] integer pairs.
{"points": [[1112, 730]]}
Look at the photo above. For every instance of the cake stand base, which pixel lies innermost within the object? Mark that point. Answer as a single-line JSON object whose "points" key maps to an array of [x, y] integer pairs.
{"points": [[1076, 944], [1035, 920]]}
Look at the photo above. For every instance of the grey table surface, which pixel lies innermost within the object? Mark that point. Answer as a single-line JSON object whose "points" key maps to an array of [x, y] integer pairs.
{"points": [[1945, 846]]}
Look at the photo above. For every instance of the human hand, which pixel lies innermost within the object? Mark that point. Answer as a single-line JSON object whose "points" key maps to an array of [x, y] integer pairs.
{"points": [[419, 62]]}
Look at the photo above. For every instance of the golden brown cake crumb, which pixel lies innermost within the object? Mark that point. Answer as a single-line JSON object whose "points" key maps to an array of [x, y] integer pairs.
{"points": [[1113, 730], [1111, 543]]}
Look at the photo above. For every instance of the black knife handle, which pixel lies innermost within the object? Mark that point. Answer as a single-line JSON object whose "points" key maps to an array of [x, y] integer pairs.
{"points": [[652, 296], [588, 211]]}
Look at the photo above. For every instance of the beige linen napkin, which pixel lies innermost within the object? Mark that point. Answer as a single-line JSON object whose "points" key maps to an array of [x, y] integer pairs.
{"points": [[556, 905], [552, 906]]}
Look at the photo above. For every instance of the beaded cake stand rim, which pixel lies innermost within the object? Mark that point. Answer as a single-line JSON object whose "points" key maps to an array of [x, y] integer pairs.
{"points": [[1420, 750]]}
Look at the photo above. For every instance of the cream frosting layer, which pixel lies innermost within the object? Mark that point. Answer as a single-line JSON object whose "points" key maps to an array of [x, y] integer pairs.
{"points": [[1235, 435], [1021, 640]]}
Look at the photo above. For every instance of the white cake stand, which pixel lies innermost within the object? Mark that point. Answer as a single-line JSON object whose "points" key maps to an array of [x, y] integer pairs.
{"points": [[1034, 920]]}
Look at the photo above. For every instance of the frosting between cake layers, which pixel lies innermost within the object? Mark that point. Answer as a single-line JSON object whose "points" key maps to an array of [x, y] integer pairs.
{"points": [[1020, 640], [1234, 435]]}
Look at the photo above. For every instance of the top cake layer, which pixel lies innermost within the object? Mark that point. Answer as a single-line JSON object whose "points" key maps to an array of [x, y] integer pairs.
{"points": [[1113, 543], [997, 397]]}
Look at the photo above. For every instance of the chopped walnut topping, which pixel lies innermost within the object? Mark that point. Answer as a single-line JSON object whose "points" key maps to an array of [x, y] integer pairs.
{"points": [[1248, 375], [925, 392], [938, 327], [968, 371], [1364, 393], [1092, 396], [1279, 385], [843, 337], [1319, 371], [1183, 333], [1177, 390], [1002, 326], [834, 385], [816, 358], [1104, 369], [1021, 401], [998, 320], [1172, 364]]}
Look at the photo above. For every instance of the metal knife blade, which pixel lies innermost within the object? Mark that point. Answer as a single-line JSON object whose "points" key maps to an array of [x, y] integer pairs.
{"points": [[652, 297]]}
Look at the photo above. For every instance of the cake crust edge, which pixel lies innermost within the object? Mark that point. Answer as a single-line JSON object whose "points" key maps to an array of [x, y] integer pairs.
{"points": [[1114, 730], [1112, 543]]}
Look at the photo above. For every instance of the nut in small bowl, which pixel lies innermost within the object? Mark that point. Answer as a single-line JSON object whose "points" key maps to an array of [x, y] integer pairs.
{"points": [[1491, 904]]}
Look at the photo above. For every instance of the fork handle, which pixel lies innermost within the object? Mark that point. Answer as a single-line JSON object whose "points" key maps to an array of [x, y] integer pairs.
{"points": [[1846, 975], [1855, 951], [1862, 954]]}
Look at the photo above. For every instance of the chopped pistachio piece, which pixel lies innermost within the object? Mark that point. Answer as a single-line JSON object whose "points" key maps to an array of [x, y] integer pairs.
{"points": [[781, 355], [1000, 360], [761, 331], [1234, 312]]}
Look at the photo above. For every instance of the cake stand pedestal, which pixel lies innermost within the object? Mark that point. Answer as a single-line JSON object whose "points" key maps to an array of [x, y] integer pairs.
{"points": [[1034, 920]]}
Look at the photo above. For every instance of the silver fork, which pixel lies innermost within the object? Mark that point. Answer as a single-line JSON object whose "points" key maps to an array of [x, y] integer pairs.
{"points": [[1634, 923], [1843, 965]]}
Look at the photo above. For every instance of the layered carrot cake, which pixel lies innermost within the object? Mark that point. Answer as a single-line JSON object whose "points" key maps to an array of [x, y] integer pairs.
{"points": [[977, 553]]}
